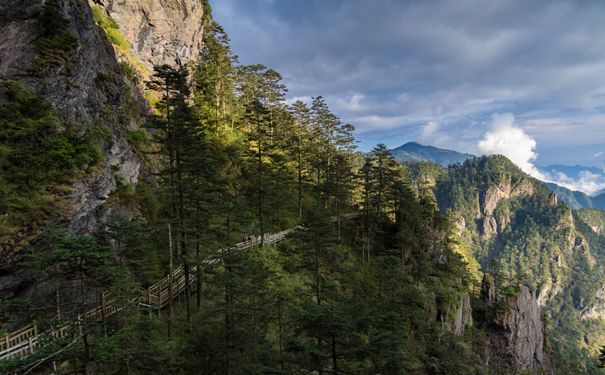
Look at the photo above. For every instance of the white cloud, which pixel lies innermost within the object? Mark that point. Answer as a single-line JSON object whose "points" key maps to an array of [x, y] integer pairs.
{"points": [[587, 182], [304, 99], [598, 154], [390, 65], [504, 138], [428, 132]]}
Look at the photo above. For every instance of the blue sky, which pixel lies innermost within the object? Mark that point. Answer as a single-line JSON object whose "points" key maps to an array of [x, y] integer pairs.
{"points": [[445, 73]]}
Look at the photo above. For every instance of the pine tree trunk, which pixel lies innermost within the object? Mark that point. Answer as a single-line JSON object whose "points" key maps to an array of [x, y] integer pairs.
{"points": [[183, 235], [334, 361], [317, 273], [199, 274], [170, 312], [260, 186], [299, 181], [280, 333]]}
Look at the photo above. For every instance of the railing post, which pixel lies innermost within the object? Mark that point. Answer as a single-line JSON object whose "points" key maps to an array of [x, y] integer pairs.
{"points": [[80, 329], [149, 300], [103, 316]]}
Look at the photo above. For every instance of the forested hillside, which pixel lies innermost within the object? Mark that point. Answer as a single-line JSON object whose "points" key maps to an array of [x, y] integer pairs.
{"points": [[513, 226], [370, 283], [129, 176]]}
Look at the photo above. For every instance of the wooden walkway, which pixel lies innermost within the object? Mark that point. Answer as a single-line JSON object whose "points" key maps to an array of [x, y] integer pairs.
{"points": [[25, 340]]}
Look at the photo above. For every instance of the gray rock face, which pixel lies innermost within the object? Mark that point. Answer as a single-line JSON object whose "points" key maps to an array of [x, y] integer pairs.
{"points": [[518, 344], [91, 94], [524, 330], [488, 289], [159, 31], [489, 199], [88, 92], [462, 317]]}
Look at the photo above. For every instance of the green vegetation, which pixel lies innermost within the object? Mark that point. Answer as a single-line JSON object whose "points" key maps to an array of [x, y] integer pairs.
{"points": [[547, 246], [131, 66], [36, 159], [376, 292], [368, 294], [111, 28], [55, 40]]}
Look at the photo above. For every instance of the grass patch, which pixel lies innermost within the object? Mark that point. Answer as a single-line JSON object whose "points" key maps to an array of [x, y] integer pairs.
{"points": [[56, 40], [139, 140], [110, 27]]}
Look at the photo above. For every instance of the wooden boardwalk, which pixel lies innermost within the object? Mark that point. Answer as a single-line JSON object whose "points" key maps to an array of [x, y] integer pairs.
{"points": [[25, 340]]}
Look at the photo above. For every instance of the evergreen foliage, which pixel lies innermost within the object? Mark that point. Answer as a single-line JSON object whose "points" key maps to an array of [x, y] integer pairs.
{"points": [[37, 157], [369, 293]]}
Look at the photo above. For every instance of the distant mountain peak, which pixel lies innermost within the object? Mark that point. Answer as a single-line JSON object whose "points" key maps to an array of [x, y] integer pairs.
{"points": [[414, 151]]}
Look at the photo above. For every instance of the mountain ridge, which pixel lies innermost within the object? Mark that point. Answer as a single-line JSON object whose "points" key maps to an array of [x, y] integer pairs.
{"points": [[415, 152]]}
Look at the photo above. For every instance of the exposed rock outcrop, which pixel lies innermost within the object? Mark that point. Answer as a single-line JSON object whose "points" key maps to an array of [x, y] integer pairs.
{"points": [[461, 318], [159, 31], [92, 94], [516, 342], [88, 91], [492, 196]]}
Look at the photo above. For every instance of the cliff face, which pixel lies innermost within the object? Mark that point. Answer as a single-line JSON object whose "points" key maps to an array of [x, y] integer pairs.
{"points": [[87, 89], [516, 334], [490, 198], [159, 31], [524, 332], [91, 92], [461, 317]]}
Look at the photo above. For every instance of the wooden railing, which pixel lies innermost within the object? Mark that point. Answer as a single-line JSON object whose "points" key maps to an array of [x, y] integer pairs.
{"points": [[25, 340]]}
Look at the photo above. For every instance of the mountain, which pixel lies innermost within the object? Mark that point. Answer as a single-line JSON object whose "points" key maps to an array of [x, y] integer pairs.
{"points": [[115, 173], [578, 200], [138, 204], [513, 225], [413, 151]]}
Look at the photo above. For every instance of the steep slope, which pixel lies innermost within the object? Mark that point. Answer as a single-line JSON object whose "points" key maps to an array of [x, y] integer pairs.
{"points": [[413, 151], [57, 52], [85, 62], [520, 230], [160, 32]]}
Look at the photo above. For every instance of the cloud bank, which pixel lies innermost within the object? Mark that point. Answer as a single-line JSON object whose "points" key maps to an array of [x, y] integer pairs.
{"points": [[503, 137], [389, 67]]}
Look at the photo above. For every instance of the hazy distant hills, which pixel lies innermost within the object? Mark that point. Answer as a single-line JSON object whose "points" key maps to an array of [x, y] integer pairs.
{"points": [[415, 152], [577, 199], [572, 171]]}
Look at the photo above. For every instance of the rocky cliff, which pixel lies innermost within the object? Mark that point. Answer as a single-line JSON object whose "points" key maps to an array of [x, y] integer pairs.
{"points": [[88, 85], [62, 51], [160, 31], [501, 189], [511, 223], [85, 85], [516, 334], [460, 316]]}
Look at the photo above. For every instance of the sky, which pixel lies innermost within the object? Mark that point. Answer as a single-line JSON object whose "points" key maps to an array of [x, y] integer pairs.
{"points": [[519, 77]]}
